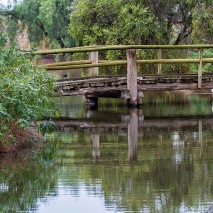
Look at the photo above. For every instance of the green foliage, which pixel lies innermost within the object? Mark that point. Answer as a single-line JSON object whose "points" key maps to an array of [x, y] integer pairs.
{"points": [[49, 151], [104, 22], [141, 22], [202, 22], [25, 91], [47, 127], [112, 22], [46, 22], [207, 67]]}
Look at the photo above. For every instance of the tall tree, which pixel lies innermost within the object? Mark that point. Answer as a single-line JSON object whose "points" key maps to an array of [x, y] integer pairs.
{"points": [[111, 22], [140, 21], [202, 15], [44, 20]]}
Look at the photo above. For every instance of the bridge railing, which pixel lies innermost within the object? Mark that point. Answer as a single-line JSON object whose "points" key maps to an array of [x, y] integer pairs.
{"points": [[93, 63]]}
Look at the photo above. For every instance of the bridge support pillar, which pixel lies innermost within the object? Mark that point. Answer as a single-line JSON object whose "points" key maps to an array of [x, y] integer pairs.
{"points": [[132, 77], [125, 94]]}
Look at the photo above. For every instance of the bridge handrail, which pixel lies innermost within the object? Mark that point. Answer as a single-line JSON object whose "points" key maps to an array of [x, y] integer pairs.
{"points": [[89, 64], [120, 47]]}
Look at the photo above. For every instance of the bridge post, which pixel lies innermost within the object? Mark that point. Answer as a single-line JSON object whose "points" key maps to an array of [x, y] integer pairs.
{"points": [[93, 56], [159, 65], [92, 101], [132, 77], [200, 68]]}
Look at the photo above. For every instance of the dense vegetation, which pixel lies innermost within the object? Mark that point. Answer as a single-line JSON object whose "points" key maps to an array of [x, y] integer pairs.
{"points": [[142, 22], [25, 96], [46, 22], [111, 22]]}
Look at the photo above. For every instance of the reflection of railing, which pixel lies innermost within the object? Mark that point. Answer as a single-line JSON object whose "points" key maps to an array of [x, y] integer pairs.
{"points": [[94, 63]]}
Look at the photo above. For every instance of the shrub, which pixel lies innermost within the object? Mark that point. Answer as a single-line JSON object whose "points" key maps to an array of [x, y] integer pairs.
{"points": [[26, 93]]}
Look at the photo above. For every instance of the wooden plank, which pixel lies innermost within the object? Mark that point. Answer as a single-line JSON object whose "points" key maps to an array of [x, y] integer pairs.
{"points": [[102, 91], [117, 87], [144, 80], [93, 80]]}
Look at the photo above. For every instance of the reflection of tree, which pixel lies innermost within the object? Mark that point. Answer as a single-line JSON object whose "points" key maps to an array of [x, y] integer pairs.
{"points": [[23, 181], [172, 158], [174, 103], [70, 106], [169, 172]]}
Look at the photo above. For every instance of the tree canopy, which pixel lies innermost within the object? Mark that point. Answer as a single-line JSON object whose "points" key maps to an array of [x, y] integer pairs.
{"points": [[142, 22], [61, 23], [46, 21]]}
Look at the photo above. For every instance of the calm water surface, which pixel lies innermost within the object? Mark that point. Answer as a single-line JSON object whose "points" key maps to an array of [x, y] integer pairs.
{"points": [[155, 159]]}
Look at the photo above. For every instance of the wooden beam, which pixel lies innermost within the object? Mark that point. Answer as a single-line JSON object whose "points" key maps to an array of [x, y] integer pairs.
{"points": [[132, 77], [123, 62], [67, 63], [93, 56], [174, 61], [119, 47]]}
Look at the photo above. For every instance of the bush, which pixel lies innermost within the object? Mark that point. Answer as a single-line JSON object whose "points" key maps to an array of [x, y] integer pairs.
{"points": [[26, 93]]}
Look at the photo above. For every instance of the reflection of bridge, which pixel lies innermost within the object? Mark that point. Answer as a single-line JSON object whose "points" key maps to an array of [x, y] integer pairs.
{"points": [[131, 86], [90, 126], [130, 125]]}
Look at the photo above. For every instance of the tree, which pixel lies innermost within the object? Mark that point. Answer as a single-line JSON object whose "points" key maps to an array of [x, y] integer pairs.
{"points": [[203, 22], [111, 22], [46, 21], [139, 21]]}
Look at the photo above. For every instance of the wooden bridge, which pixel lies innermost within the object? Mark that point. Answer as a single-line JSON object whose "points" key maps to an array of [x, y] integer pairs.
{"points": [[131, 86]]}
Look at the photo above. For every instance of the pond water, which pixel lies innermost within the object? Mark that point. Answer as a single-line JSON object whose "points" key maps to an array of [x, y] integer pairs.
{"points": [[158, 158]]}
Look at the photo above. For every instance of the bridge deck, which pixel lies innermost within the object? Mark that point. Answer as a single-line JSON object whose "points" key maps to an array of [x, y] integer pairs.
{"points": [[115, 86]]}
